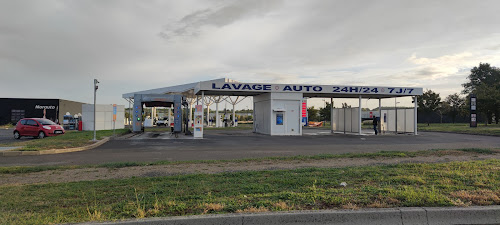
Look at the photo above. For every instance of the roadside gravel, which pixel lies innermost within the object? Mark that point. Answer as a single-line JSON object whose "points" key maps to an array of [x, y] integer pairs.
{"points": [[91, 174]]}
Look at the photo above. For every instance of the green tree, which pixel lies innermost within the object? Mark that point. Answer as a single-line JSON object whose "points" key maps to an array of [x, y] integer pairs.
{"points": [[428, 103], [484, 81], [326, 112], [312, 114], [455, 106]]}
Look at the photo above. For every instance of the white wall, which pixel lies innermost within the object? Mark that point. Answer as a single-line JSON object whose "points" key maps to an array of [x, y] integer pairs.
{"points": [[262, 113], [268, 105], [291, 117], [290, 103], [104, 115], [349, 116], [405, 120]]}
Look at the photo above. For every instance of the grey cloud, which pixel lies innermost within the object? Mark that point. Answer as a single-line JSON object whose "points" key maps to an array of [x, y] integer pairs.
{"points": [[64, 42], [413, 74], [493, 47], [426, 72], [221, 15], [350, 29]]}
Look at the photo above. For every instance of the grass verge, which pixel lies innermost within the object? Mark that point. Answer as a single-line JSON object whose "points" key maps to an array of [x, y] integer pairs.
{"points": [[8, 125], [403, 185], [491, 129], [71, 139], [382, 154]]}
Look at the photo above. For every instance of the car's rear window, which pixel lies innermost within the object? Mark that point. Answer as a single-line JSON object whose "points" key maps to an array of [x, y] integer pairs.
{"points": [[45, 122], [23, 122]]}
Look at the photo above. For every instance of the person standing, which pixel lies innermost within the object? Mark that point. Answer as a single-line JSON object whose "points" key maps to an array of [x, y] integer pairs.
{"points": [[375, 125]]}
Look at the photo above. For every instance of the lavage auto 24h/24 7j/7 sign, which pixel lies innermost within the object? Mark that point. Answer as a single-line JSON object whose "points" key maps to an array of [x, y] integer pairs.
{"points": [[253, 87]]}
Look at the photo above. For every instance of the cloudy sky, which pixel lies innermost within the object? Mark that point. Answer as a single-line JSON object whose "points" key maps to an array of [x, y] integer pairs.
{"points": [[54, 49]]}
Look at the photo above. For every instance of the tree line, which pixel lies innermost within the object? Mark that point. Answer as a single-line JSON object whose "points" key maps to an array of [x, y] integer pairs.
{"points": [[483, 82]]}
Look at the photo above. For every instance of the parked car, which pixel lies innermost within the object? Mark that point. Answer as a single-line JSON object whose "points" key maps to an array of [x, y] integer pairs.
{"points": [[162, 122], [37, 127]]}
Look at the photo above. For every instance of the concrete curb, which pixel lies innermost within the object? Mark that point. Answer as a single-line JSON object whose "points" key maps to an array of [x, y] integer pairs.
{"points": [[449, 132], [54, 151], [407, 216]]}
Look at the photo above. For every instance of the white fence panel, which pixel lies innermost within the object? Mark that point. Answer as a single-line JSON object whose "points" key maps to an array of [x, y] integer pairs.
{"points": [[410, 122]]}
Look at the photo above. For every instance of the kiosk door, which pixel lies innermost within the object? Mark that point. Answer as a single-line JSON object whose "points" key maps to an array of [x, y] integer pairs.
{"points": [[292, 118], [279, 126]]}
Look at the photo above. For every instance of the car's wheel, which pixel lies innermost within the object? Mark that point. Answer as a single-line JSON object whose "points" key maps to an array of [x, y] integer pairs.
{"points": [[41, 135], [17, 135]]}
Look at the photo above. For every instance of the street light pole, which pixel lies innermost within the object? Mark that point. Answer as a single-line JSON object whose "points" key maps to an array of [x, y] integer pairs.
{"points": [[95, 91]]}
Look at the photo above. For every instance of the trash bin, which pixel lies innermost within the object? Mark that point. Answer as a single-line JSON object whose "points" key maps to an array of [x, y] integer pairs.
{"points": [[80, 125]]}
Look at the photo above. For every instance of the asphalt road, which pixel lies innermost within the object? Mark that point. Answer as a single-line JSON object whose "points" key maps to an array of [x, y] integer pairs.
{"points": [[6, 136], [244, 144]]}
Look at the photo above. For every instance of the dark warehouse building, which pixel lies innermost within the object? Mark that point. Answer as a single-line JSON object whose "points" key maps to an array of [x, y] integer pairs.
{"points": [[14, 109]]}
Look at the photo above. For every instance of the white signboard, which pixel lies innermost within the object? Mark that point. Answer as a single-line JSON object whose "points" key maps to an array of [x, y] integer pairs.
{"points": [[306, 88], [198, 122]]}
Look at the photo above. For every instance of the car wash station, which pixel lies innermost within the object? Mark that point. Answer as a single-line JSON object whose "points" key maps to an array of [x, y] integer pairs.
{"points": [[278, 109]]}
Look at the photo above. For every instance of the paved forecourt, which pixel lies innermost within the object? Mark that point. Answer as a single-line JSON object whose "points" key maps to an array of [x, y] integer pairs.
{"points": [[239, 144]]}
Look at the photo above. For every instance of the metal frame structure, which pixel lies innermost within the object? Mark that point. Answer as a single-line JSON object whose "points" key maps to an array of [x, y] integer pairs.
{"points": [[311, 91], [229, 87], [157, 100]]}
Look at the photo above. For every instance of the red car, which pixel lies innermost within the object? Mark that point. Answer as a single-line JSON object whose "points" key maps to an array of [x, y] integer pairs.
{"points": [[37, 127]]}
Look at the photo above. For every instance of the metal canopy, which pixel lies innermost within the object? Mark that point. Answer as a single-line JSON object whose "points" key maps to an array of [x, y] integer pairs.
{"points": [[308, 90], [229, 87], [186, 90]]}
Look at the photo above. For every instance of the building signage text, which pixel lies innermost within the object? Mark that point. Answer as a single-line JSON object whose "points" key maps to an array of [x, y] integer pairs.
{"points": [[45, 107], [311, 88]]}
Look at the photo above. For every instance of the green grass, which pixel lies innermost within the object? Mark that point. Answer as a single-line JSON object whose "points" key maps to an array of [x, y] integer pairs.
{"points": [[71, 139], [381, 154], [9, 125], [490, 129], [403, 185]]}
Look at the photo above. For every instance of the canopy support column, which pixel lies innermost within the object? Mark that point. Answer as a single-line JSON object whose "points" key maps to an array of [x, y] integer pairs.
{"points": [[331, 115], [379, 127], [396, 114], [415, 116], [170, 120], [129, 111], [208, 115], [217, 121], [202, 107], [359, 116]]}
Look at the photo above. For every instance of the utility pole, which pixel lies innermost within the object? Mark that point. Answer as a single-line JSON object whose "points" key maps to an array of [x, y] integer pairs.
{"points": [[95, 91]]}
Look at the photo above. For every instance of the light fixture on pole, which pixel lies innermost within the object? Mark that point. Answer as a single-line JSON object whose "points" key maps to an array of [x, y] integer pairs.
{"points": [[95, 91]]}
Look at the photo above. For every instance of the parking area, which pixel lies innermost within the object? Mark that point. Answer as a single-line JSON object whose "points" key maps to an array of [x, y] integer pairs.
{"points": [[239, 144], [6, 136]]}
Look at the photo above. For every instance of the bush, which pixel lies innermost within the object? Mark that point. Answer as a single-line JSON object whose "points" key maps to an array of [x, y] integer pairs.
{"points": [[368, 122]]}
